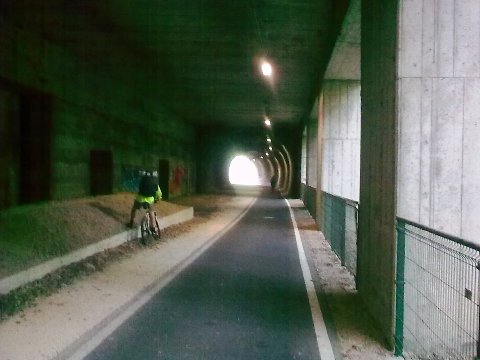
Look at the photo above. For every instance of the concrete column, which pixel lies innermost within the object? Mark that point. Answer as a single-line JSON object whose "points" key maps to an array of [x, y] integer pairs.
{"points": [[376, 242]]}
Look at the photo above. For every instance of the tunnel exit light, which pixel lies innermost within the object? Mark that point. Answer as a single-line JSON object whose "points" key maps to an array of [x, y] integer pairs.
{"points": [[243, 171]]}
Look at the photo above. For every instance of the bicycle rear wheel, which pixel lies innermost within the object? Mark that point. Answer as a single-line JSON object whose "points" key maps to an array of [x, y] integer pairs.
{"points": [[145, 230]]}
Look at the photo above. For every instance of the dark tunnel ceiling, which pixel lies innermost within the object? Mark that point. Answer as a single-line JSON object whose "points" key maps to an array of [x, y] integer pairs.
{"points": [[199, 57]]}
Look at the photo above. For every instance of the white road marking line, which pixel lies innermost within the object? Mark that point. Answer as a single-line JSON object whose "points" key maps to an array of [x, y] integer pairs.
{"points": [[97, 338], [324, 345]]}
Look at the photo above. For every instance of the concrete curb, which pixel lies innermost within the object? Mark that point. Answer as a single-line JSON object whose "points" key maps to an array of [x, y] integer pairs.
{"points": [[21, 278]]}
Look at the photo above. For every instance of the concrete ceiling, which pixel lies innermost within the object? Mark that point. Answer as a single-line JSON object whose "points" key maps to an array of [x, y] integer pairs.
{"points": [[345, 61], [200, 57]]}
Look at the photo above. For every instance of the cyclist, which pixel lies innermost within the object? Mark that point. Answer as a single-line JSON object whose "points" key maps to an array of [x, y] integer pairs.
{"points": [[148, 193]]}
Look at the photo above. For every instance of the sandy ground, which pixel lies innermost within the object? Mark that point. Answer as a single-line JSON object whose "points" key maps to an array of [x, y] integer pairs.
{"points": [[357, 335], [67, 316], [35, 233]]}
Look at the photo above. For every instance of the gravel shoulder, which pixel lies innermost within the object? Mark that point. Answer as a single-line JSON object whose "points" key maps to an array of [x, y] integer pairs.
{"points": [[64, 305], [35, 233]]}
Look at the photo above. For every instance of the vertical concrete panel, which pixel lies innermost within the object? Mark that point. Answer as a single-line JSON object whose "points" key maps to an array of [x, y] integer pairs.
{"points": [[471, 163], [467, 35], [327, 165], [337, 166], [341, 154], [410, 43], [312, 145], [343, 111], [347, 176], [447, 133], [356, 169], [327, 110], [426, 153], [353, 111], [445, 37], [429, 66], [409, 142], [449, 107]]}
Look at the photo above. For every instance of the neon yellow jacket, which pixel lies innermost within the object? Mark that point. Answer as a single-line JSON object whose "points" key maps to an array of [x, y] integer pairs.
{"points": [[150, 199]]}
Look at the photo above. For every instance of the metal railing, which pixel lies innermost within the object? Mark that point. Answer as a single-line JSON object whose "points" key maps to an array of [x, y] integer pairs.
{"points": [[340, 228], [437, 295]]}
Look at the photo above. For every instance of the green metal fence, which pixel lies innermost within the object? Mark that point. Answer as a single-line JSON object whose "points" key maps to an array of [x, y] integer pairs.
{"points": [[437, 295], [340, 228]]}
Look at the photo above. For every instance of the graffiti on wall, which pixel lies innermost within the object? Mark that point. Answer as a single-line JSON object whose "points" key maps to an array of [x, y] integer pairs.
{"points": [[178, 176], [130, 177]]}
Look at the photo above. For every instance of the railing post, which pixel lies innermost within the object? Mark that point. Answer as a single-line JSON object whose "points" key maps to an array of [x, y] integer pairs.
{"points": [[400, 288], [478, 314], [343, 238]]}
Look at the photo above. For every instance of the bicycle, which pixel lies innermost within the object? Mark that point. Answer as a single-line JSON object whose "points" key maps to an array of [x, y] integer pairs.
{"points": [[147, 229]]}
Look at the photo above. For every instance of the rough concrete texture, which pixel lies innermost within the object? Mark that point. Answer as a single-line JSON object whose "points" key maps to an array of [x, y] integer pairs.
{"points": [[345, 61], [341, 138], [376, 241], [438, 115], [312, 153], [90, 106]]}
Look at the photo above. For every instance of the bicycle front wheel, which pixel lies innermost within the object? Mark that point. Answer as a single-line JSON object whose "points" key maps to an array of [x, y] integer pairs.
{"points": [[156, 228]]}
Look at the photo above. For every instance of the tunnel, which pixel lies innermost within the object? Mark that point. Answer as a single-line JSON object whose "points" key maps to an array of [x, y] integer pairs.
{"points": [[365, 110]]}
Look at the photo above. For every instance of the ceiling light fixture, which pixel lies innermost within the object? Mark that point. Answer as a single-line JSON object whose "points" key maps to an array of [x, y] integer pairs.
{"points": [[266, 69], [267, 121]]}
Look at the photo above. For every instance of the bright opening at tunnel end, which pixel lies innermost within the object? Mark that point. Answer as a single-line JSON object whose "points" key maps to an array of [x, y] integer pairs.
{"points": [[243, 171]]}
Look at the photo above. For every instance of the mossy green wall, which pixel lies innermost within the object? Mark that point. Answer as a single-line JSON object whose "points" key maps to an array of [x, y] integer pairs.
{"points": [[95, 107]]}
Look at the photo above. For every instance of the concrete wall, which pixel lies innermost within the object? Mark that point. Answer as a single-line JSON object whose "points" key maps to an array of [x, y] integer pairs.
{"points": [[341, 138], [439, 115], [94, 107], [310, 163], [376, 240]]}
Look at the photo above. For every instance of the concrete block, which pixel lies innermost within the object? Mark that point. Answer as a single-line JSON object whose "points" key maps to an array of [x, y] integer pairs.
{"points": [[354, 104], [425, 179], [471, 168], [337, 160], [447, 139], [445, 37], [343, 109], [410, 57], [346, 171], [335, 112], [408, 168], [326, 166], [428, 23], [356, 172], [467, 38]]}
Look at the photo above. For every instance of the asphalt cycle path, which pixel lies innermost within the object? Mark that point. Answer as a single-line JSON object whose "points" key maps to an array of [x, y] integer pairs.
{"points": [[243, 298]]}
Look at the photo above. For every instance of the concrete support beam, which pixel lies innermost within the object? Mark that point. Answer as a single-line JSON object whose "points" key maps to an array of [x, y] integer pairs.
{"points": [[376, 239]]}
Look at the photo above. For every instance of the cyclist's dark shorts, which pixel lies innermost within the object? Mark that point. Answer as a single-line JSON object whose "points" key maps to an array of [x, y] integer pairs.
{"points": [[137, 205]]}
